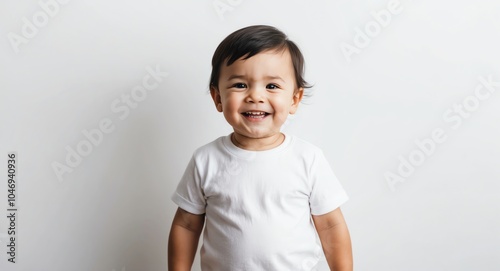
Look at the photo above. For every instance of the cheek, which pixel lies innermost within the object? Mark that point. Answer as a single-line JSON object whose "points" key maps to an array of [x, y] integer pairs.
{"points": [[283, 108], [230, 106], [281, 112], [231, 103], [283, 105]]}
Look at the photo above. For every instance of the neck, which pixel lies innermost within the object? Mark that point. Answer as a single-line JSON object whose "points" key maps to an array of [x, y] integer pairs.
{"points": [[257, 144]]}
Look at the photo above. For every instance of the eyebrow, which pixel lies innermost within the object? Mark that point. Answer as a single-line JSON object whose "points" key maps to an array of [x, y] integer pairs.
{"points": [[237, 76]]}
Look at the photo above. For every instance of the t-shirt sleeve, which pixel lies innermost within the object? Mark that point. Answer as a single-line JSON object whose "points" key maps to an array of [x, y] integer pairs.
{"points": [[189, 194], [327, 193]]}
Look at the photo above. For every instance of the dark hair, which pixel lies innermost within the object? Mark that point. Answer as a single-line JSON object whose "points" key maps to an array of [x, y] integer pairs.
{"points": [[250, 41]]}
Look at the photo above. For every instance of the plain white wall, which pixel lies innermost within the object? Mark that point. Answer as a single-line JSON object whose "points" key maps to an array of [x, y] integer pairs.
{"points": [[374, 97]]}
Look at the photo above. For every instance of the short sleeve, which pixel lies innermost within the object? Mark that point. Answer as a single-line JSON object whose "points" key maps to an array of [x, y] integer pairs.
{"points": [[327, 193], [189, 194]]}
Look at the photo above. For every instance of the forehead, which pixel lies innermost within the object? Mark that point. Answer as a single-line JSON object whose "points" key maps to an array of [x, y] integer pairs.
{"points": [[265, 63]]}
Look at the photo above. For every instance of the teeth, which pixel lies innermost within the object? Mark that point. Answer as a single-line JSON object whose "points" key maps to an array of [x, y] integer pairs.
{"points": [[255, 113]]}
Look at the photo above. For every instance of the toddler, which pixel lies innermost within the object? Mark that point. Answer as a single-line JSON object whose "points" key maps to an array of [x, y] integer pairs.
{"points": [[263, 196]]}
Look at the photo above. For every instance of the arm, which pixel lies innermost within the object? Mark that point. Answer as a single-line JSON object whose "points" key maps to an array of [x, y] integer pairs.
{"points": [[335, 239], [183, 240]]}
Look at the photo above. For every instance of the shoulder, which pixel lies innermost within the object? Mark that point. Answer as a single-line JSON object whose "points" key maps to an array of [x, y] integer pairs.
{"points": [[304, 147], [214, 147]]}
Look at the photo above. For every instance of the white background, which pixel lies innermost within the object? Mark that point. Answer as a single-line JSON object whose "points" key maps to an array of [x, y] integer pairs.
{"points": [[113, 211]]}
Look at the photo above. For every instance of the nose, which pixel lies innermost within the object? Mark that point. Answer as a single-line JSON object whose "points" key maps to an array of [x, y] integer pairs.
{"points": [[255, 95]]}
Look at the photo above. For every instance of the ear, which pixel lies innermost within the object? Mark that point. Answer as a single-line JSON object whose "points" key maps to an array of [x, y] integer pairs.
{"points": [[297, 97], [214, 92]]}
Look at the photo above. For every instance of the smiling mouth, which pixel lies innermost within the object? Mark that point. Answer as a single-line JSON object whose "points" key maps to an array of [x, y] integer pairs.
{"points": [[255, 114]]}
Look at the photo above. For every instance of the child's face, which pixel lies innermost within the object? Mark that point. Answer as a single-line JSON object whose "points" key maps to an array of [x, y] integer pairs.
{"points": [[263, 85]]}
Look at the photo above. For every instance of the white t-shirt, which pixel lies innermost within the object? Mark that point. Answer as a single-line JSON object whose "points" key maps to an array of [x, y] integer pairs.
{"points": [[258, 204]]}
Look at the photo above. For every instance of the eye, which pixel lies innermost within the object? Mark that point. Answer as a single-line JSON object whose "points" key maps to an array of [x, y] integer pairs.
{"points": [[272, 86], [239, 85]]}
